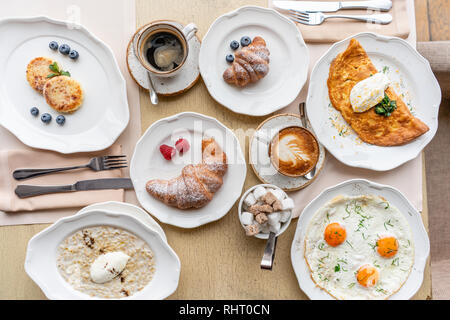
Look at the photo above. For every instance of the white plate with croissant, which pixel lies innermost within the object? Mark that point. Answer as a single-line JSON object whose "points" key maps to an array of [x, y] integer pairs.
{"points": [[188, 170], [267, 74]]}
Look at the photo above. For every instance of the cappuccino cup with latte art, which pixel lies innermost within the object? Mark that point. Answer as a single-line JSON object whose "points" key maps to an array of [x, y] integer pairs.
{"points": [[294, 151]]}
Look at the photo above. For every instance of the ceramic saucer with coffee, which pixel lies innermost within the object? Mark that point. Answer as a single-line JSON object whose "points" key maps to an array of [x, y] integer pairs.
{"points": [[282, 152], [163, 50]]}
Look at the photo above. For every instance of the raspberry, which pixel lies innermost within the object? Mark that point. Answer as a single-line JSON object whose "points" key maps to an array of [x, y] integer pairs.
{"points": [[167, 151], [182, 145]]}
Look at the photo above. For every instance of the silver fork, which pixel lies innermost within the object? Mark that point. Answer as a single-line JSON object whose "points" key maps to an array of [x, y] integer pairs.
{"points": [[316, 18], [96, 164]]}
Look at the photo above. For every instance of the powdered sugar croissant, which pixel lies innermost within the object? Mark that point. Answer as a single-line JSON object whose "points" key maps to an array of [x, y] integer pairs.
{"points": [[250, 64], [196, 185]]}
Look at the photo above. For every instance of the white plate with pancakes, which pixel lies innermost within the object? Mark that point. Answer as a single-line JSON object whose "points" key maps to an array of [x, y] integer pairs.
{"points": [[104, 112], [288, 66], [148, 163], [392, 198], [411, 78]]}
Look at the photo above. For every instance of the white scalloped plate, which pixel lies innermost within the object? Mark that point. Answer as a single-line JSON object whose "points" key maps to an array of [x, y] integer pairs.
{"points": [[104, 113], [289, 60], [148, 163], [40, 261], [411, 75], [357, 187], [127, 208]]}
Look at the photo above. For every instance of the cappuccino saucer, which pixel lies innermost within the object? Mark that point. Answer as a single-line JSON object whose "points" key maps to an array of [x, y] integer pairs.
{"points": [[259, 153], [169, 86]]}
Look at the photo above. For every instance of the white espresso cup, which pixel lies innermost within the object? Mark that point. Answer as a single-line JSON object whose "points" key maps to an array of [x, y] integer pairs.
{"points": [[163, 26]]}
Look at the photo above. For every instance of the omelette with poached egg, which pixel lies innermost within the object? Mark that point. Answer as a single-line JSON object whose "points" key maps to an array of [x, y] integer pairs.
{"points": [[359, 247], [361, 107]]}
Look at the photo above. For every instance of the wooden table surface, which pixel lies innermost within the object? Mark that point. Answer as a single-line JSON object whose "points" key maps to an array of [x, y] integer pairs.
{"points": [[218, 260]]}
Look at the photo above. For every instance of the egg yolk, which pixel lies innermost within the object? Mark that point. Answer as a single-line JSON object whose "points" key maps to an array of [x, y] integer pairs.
{"points": [[367, 276], [387, 247], [335, 234]]}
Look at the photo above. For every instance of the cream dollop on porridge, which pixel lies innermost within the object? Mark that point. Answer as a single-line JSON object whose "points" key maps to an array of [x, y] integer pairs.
{"points": [[108, 266], [128, 259]]}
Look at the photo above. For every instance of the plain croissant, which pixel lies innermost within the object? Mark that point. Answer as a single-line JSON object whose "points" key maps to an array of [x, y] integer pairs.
{"points": [[250, 64], [196, 185]]}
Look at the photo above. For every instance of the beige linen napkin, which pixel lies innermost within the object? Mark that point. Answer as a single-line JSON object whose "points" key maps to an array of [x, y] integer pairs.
{"points": [[115, 29], [333, 30], [15, 159]]}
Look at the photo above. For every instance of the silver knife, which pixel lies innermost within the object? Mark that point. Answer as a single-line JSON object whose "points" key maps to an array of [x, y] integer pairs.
{"points": [[322, 6], [25, 191]]}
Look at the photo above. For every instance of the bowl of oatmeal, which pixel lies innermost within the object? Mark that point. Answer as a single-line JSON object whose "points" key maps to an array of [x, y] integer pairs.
{"points": [[101, 254]]}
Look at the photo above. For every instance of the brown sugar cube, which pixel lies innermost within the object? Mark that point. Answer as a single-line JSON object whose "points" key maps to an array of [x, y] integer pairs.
{"points": [[254, 209], [251, 230], [269, 198], [258, 208], [266, 208], [261, 218], [277, 206]]}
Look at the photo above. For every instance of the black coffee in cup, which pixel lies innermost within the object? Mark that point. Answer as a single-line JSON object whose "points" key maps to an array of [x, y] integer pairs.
{"points": [[162, 47], [164, 51]]}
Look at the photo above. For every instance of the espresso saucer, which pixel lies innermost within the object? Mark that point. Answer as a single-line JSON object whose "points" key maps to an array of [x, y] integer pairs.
{"points": [[259, 153], [167, 86]]}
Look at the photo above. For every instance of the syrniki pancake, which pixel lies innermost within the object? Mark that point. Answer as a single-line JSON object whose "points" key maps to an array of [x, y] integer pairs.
{"points": [[64, 94], [352, 66], [37, 71]]}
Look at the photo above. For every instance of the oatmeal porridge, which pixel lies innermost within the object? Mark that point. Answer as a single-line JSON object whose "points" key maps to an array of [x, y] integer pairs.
{"points": [[78, 252]]}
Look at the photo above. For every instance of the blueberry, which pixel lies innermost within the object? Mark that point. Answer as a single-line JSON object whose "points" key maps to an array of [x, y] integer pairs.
{"points": [[229, 58], [46, 118], [64, 49], [73, 54], [234, 45], [34, 111], [60, 120], [53, 45], [245, 41]]}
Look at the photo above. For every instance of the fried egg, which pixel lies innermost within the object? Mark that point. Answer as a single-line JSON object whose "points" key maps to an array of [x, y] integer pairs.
{"points": [[359, 247]]}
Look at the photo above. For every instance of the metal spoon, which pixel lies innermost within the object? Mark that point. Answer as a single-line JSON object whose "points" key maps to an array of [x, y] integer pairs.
{"points": [[303, 118], [151, 88], [269, 252]]}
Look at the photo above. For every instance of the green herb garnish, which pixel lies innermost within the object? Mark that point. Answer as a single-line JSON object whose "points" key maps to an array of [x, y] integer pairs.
{"points": [[349, 244], [381, 290], [386, 106], [388, 223], [56, 71], [348, 212], [395, 262]]}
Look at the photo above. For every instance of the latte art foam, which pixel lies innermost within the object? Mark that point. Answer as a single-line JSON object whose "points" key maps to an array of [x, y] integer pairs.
{"points": [[290, 150], [294, 151]]}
